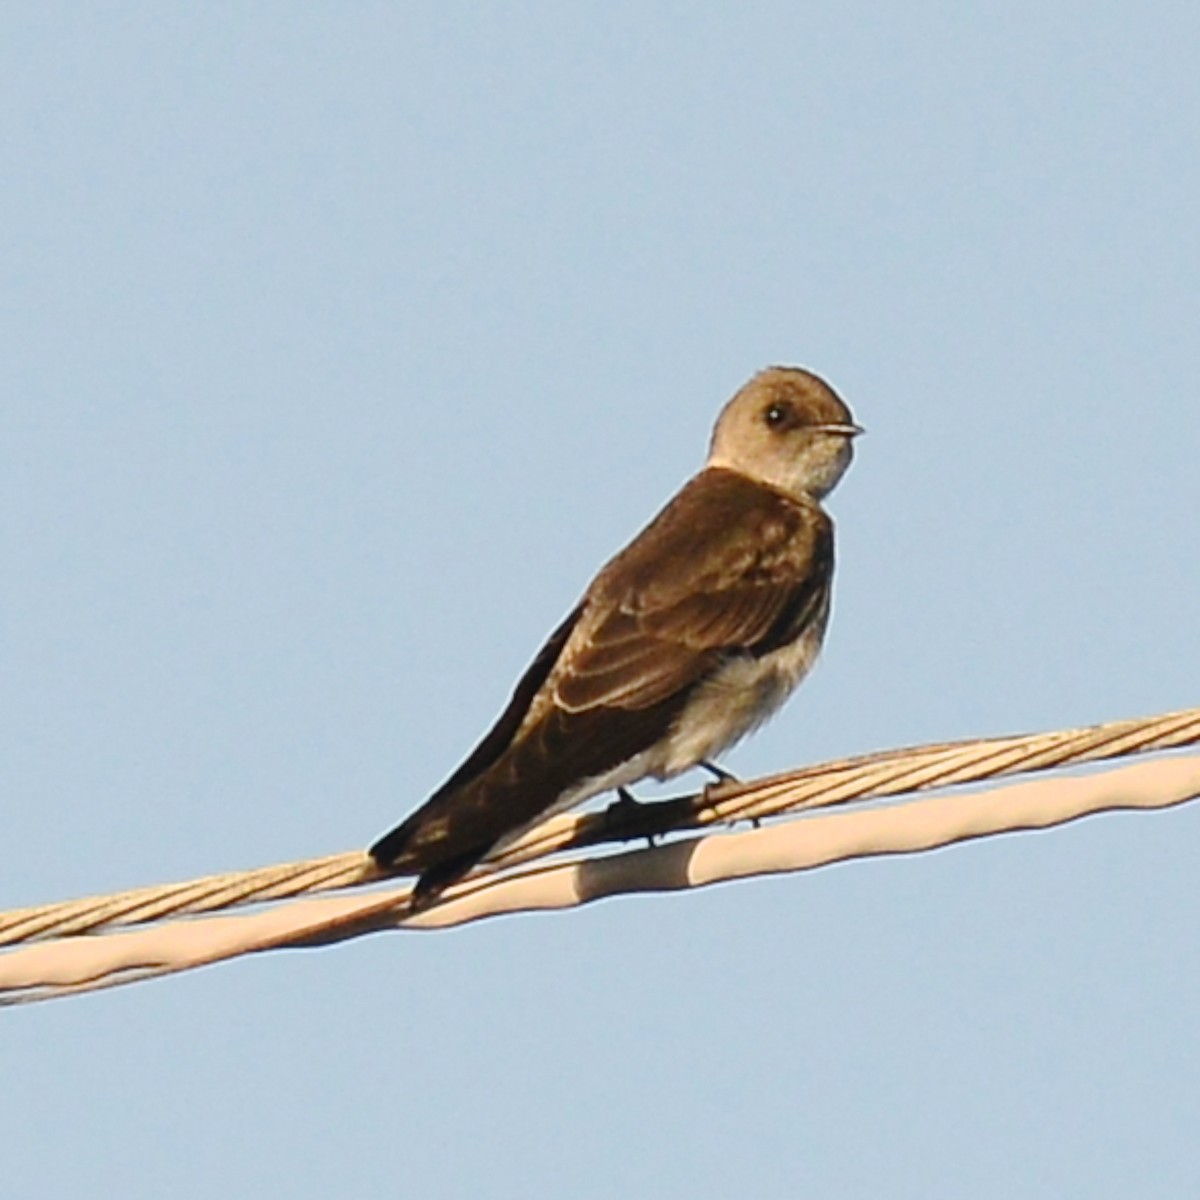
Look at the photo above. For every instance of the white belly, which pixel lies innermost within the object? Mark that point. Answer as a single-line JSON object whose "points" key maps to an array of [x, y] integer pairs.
{"points": [[739, 698]]}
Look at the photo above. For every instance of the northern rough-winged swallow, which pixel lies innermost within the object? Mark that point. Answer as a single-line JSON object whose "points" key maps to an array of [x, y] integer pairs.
{"points": [[689, 638]]}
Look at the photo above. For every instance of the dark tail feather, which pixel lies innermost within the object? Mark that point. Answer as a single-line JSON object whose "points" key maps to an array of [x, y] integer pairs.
{"points": [[437, 879], [394, 852]]}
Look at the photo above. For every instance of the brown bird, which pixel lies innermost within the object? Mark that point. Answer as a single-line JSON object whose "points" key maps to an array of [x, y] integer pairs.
{"points": [[688, 639]]}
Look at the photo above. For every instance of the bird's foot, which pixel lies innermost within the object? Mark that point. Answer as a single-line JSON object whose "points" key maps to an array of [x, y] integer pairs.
{"points": [[622, 807]]}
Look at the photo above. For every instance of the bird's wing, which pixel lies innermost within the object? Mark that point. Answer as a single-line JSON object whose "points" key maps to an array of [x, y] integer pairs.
{"points": [[729, 567]]}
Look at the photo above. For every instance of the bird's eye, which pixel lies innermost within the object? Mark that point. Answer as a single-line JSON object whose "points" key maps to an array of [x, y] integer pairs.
{"points": [[776, 414]]}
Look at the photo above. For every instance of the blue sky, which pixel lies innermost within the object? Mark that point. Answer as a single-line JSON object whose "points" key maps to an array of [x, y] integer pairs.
{"points": [[341, 344]]}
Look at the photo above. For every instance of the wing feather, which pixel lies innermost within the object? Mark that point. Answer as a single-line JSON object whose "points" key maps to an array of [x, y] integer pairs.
{"points": [[737, 570]]}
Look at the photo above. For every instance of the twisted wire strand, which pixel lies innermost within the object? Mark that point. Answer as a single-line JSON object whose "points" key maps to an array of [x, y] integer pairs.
{"points": [[921, 768], [865, 777]]}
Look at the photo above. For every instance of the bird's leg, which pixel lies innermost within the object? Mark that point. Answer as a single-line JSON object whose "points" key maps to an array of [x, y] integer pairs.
{"points": [[718, 772], [625, 803]]}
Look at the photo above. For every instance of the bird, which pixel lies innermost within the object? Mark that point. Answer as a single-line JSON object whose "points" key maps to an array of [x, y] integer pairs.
{"points": [[684, 642]]}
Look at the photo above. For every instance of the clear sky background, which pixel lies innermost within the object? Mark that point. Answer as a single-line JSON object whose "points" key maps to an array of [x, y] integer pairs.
{"points": [[342, 342]]}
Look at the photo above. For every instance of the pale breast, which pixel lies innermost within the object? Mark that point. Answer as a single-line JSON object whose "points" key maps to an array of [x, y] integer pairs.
{"points": [[737, 699]]}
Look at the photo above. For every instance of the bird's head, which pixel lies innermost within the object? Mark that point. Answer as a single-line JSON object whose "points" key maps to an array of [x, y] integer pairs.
{"points": [[787, 428]]}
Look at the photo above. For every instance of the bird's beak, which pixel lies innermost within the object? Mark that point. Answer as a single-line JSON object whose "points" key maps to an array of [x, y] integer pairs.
{"points": [[844, 430]]}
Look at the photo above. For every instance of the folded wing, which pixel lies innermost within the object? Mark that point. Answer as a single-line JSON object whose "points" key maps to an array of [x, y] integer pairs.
{"points": [[730, 567]]}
